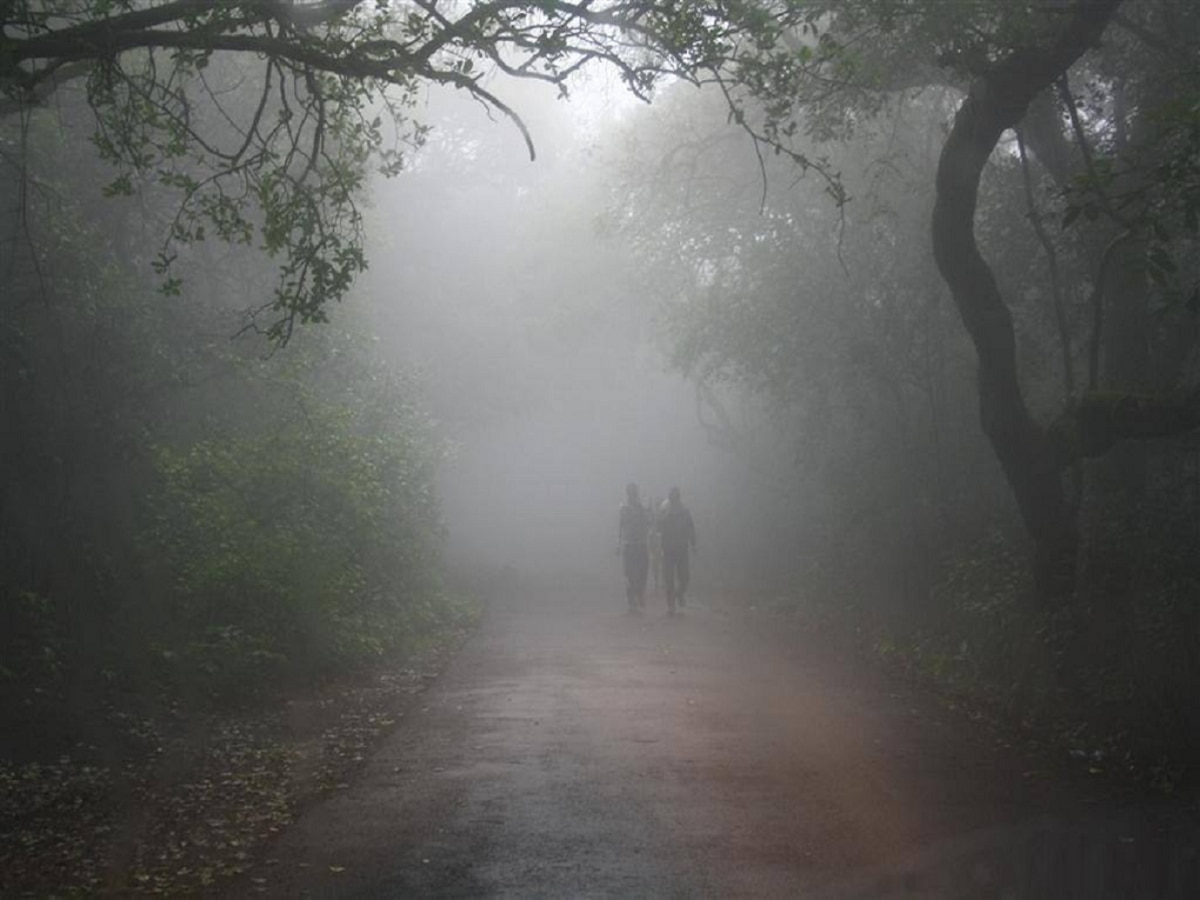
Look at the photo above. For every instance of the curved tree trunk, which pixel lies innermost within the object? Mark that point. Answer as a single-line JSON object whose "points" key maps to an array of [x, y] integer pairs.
{"points": [[998, 99]]}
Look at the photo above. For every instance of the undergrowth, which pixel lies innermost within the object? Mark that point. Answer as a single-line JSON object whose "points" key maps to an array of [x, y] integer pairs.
{"points": [[1107, 678]]}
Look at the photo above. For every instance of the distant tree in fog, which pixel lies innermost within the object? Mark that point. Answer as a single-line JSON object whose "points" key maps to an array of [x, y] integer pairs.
{"points": [[264, 116], [1122, 142]]}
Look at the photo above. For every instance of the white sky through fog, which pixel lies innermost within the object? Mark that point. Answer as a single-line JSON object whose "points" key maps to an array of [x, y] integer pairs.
{"points": [[532, 335]]}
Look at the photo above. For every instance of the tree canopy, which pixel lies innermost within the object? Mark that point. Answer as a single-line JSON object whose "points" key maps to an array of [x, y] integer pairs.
{"points": [[265, 118]]}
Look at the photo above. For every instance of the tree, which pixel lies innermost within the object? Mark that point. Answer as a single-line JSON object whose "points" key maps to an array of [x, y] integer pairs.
{"points": [[997, 100], [288, 160], [1012, 64], [1033, 456], [139, 438], [263, 115], [831, 320]]}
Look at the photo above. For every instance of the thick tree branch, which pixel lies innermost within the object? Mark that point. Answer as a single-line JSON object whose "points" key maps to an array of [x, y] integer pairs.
{"points": [[49, 80], [102, 32], [1103, 419], [998, 100]]}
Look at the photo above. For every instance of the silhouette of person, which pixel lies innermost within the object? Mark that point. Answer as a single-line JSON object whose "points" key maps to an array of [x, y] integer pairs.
{"points": [[633, 529], [678, 538]]}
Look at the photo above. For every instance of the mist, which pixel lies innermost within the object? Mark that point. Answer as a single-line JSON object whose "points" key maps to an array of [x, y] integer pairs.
{"points": [[496, 278], [332, 334]]}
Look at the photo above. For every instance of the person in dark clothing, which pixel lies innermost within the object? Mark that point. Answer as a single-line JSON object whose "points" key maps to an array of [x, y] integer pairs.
{"points": [[678, 539], [633, 528]]}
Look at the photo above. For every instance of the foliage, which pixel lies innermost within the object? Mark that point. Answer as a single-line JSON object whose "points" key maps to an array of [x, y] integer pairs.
{"points": [[1135, 121], [288, 166], [261, 118], [116, 401], [271, 146], [317, 540], [832, 321], [116, 636], [836, 321], [32, 643], [1105, 681]]}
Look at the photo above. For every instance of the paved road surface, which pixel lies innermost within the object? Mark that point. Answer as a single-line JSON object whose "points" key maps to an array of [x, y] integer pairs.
{"points": [[573, 750]]}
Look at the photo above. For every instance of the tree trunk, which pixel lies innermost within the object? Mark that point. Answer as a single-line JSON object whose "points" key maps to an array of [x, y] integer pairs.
{"points": [[998, 100], [1120, 480]]}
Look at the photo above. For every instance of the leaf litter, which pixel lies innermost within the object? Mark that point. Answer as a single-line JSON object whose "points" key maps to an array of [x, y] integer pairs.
{"points": [[190, 801]]}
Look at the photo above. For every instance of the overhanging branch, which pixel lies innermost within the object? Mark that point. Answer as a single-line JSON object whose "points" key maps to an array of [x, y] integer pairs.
{"points": [[1103, 419]]}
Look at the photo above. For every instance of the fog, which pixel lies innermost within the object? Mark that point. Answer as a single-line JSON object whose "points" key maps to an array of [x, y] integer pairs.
{"points": [[494, 277], [307, 391]]}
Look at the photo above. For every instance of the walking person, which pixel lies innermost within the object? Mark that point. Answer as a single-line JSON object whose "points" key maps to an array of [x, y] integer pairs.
{"points": [[678, 533], [633, 529]]}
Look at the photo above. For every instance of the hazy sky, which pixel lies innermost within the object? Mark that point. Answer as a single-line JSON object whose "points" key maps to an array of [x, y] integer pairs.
{"points": [[489, 275]]}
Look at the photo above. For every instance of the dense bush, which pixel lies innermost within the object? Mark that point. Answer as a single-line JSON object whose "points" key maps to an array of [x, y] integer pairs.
{"points": [[1109, 677], [310, 545]]}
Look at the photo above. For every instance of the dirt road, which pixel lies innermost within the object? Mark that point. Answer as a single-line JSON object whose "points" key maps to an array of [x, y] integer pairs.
{"points": [[573, 750]]}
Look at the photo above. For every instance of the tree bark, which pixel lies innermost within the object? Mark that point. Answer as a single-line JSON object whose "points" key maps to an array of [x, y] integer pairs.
{"points": [[998, 100]]}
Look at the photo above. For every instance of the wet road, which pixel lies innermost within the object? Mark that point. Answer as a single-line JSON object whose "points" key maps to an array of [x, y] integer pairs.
{"points": [[573, 750]]}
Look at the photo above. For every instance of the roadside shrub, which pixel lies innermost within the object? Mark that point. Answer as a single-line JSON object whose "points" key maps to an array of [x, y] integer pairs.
{"points": [[310, 546], [1109, 676], [224, 660], [30, 642], [980, 634]]}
